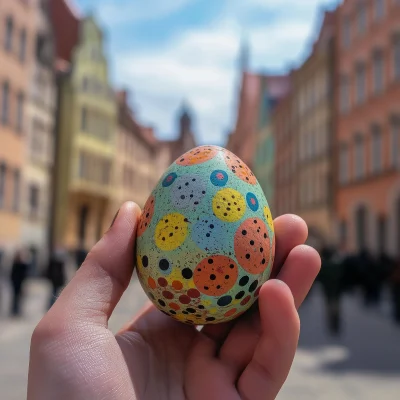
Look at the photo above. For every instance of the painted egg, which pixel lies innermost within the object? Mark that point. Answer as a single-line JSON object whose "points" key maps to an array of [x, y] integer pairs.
{"points": [[205, 240]]}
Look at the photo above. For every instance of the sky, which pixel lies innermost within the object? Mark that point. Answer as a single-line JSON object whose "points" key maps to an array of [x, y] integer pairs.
{"points": [[167, 52]]}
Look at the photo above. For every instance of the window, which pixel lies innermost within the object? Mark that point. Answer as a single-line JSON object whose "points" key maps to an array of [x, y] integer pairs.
{"points": [[376, 149], [379, 10], [344, 164], [346, 32], [85, 84], [395, 143], [84, 118], [20, 112], [378, 70], [362, 19], [3, 173], [105, 173], [5, 106], [82, 165], [33, 201], [396, 57], [8, 34], [360, 83], [344, 94], [22, 45], [359, 159], [17, 183]]}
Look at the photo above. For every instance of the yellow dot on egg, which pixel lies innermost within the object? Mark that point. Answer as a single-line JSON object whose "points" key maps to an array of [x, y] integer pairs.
{"points": [[207, 302], [213, 310], [268, 217], [171, 231], [229, 205]]}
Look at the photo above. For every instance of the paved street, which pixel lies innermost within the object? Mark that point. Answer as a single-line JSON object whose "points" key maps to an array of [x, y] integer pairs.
{"points": [[364, 364]]}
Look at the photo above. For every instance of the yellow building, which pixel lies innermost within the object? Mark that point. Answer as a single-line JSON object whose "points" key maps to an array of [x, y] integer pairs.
{"points": [[140, 160], [41, 109], [86, 141], [16, 55]]}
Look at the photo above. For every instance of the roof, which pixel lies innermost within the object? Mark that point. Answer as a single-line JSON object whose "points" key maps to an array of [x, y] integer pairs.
{"points": [[127, 119], [65, 20]]}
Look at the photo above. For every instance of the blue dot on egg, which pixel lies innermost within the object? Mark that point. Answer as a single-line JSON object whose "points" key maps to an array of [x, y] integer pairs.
{"points": [[208, 233], [169, 179], [252, 201], [219, 178]]}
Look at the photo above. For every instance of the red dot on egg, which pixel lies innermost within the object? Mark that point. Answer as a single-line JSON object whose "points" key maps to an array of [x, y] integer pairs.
{"points": [[168, 295], [193, 293], [184, 299], [245, 301], [162, 282], [257, 292]]}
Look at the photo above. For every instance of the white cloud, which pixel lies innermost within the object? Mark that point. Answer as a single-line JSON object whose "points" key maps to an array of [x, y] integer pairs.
{"points": [[200, 66], [134, 10]]}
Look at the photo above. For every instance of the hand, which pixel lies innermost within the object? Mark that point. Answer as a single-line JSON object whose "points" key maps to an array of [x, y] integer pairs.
{"points": [[75, 356]]}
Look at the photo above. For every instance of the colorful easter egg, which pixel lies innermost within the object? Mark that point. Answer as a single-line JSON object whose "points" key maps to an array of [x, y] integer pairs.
{"points": [[205, 240]]}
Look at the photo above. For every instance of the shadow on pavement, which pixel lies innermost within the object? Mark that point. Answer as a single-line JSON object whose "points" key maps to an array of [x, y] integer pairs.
{"points": [[369, 342]]}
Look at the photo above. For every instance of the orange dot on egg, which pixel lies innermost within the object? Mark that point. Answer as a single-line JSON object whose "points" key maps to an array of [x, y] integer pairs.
{"points": [[230, 312], [177, 285], [174, 306], [152, 283]]}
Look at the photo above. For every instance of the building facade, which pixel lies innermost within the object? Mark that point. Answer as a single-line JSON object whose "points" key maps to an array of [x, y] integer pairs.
{"points": [[242, 141], [312, 91], [286, 174], [368, 133], [39, 138], [140, 160], [17, 41], [87, 138], [273, 89]]}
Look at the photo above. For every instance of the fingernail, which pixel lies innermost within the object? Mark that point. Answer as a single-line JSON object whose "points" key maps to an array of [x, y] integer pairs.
{"points": [[115, 217]]}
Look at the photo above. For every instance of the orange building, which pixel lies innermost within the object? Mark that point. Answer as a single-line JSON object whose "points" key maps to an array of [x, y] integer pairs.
{"points": [[368, 132], [17, 41], [243, 140], [286, 173]]}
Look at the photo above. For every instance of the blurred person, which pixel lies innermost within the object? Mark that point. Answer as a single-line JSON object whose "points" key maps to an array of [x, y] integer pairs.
{"points": [[395, 287], [370, 278], [19, 273], [80, 256], [331, 279], [56, 273], [156, 357]]}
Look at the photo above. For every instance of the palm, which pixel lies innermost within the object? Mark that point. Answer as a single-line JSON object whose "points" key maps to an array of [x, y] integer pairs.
{"points": [[156, 350], [74, 355]]}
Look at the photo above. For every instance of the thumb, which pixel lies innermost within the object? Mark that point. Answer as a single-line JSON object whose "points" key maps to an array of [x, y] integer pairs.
{"points": [[98, 285]]}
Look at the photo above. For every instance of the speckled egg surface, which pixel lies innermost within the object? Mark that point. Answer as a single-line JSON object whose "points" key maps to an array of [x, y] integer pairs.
{"points": [[205, 240]]}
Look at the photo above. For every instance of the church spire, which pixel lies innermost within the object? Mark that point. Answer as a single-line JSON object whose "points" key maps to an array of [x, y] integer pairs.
{"points": [[244, 55]]}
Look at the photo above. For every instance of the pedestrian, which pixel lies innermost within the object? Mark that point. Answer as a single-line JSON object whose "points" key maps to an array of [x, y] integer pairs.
{"points": [[370, 277], [80, 256], [56, 274], [395, 286], [331, 279], [75, 356], [19, 273]]}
